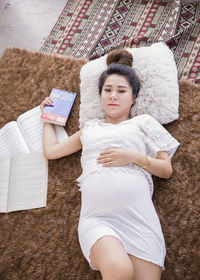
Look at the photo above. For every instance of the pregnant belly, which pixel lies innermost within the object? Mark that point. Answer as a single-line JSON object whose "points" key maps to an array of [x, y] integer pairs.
{"points": [[106, 192]]}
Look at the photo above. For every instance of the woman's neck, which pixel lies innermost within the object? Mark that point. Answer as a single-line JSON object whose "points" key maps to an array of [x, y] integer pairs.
{"points": [[116, 120]]}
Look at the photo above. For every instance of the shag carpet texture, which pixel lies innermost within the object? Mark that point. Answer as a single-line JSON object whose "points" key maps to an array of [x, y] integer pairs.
{"points": [[43, 244]]}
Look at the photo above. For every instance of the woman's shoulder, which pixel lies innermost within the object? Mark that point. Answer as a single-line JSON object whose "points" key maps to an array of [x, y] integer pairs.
{"points": [[147, 123], [144, 118], [91, 122]]}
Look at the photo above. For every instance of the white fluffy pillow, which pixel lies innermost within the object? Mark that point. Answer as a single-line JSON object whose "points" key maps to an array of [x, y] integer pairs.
{"points": [[159, 91]]}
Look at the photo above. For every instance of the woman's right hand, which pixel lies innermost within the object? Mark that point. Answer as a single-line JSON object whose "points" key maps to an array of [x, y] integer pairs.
{"points": [[46, 101]]}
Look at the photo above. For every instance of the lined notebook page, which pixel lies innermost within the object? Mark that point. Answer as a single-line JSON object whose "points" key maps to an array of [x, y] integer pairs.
{"points": [[28, 182], [31, 126], [4, 182], [11, 140]]}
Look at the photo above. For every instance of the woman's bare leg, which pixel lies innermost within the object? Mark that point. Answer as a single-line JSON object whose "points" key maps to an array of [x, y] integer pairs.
{"points": [[109, 256], [144, 270]]}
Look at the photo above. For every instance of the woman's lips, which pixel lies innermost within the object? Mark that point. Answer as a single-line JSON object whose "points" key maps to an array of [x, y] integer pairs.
{"points": [[113, 105]]}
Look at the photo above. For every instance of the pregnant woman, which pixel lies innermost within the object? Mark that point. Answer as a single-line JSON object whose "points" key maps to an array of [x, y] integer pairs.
{"points": [[119, 230]]}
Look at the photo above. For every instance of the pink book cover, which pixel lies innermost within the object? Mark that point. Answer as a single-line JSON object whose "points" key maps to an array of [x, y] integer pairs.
{"points": [[62, 104]]}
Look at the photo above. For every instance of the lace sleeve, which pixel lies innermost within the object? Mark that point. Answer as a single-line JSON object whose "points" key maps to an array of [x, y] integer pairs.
{"points": [[158, 138]]}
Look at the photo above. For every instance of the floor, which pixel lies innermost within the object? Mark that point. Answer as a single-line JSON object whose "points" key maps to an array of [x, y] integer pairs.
{"points": [[27, 23]]}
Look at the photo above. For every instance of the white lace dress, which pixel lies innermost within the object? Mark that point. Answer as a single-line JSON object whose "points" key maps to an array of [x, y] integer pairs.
{"points": [[117, 201]]}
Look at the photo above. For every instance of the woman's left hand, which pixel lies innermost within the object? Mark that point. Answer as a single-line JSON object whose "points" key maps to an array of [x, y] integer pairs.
{"points": [[115, 157]]}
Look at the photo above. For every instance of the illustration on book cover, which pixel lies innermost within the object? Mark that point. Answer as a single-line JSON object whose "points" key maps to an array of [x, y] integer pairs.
{"points": [[62, 105]]}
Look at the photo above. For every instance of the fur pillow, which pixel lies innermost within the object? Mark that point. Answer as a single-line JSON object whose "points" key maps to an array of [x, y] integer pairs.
{"points": [[159, 92]]}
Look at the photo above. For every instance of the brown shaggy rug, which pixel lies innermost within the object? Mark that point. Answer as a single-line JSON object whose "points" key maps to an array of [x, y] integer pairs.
{"points": [[43, 244]]}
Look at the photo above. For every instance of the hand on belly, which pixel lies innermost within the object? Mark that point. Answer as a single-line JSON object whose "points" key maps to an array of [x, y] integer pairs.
{"points": [[115, 157]]}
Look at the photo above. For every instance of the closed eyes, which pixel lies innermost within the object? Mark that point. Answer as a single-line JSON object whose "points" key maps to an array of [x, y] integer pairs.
{"points": [[109, 91]]}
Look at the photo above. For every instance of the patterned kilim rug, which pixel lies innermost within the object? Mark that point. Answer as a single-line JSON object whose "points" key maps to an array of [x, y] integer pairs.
{"points": [[91, 28]]}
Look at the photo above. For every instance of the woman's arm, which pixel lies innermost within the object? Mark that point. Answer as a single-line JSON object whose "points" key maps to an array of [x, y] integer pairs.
{"points": [[53, 149], [160, 166]]}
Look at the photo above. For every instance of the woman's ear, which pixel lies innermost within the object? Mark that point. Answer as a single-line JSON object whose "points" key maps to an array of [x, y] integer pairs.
{"points": [[134, 97]]}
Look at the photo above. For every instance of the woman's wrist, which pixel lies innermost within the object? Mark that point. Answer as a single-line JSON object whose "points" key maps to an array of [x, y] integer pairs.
{"points": [[147, 163], [48, 124], [141, 160]]}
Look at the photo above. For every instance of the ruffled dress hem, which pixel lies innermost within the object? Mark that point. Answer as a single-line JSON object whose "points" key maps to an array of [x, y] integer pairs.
{"points": [[127, 251]]}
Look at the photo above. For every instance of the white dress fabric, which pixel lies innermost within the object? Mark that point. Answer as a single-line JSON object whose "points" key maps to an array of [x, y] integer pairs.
{"points": [[117, 200]]}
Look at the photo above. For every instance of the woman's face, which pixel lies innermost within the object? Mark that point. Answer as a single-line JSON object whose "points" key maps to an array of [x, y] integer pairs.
{"points": [[117, 97]]}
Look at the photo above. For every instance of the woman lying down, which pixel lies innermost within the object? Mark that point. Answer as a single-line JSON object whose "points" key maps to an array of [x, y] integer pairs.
{"points": [[119, 230]]}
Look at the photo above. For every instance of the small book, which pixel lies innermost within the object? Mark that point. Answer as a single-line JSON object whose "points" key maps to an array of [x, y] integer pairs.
{"points": [[24, 179], [62, 104]]}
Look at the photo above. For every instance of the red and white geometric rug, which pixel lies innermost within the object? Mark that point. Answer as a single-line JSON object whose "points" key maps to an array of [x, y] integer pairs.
{"points": [[91, 28]]}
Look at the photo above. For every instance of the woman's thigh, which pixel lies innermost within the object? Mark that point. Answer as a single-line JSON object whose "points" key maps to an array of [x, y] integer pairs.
{"points": [[144, 270], [109, 256]]}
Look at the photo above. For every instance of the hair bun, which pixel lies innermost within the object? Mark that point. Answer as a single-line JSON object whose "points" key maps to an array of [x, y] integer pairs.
{"points": [[120, 57]]}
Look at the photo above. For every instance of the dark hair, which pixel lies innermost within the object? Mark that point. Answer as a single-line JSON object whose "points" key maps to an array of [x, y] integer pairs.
{"points": [[120, 62]]}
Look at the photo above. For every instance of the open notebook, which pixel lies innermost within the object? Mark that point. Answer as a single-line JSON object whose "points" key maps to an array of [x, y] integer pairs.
{"points": [[25, 134], [23, 167]]}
